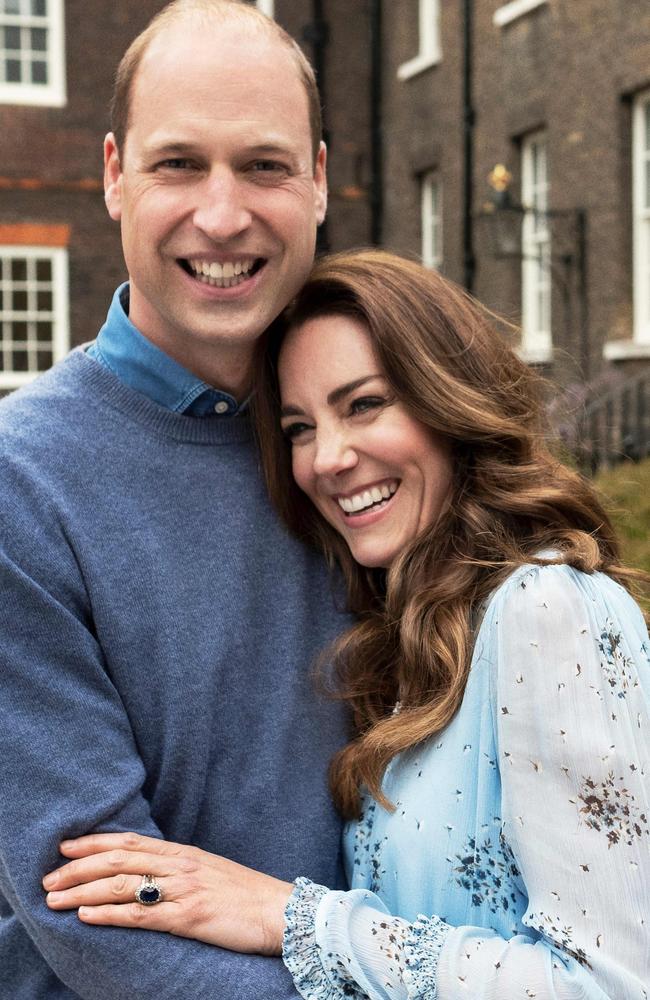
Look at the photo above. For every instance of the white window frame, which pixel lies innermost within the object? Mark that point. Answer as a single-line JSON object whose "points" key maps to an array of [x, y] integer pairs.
{"points": [[52, 93], [58, 315], [536, 285], [510, 12], [266, 7], [641, 214], [429, 52], [431, 212]]}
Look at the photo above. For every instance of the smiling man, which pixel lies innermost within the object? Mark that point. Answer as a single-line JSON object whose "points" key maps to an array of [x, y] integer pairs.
{"points": [[158, 624]]}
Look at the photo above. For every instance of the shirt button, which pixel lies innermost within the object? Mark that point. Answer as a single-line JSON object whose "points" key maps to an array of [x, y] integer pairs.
{"points": [[221, 406]]}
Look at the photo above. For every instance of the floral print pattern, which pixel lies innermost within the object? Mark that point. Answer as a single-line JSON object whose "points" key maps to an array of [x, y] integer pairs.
{"points": [[517, 854]]}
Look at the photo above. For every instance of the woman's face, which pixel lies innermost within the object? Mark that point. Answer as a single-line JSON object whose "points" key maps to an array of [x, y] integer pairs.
{"points": [[374, 472]]}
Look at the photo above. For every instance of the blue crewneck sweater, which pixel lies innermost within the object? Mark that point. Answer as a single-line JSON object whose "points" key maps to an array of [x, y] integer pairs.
{"points": [[157, 629]]}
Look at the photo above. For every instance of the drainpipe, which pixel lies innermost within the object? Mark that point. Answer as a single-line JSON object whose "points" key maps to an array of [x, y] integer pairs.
{"points": [[317, 35], [376, 133], [469, 119]]}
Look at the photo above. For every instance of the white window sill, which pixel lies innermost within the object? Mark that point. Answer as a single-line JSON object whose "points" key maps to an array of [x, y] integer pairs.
{"points": [[422, 62], [541, 355], [46, 97], [622, 350], [515, 9]]}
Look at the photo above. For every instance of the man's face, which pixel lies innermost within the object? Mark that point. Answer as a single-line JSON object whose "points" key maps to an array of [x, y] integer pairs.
{"points": [[217, 194]]}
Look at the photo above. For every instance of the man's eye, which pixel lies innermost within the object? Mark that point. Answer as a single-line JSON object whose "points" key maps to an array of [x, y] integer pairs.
{"points": [[365, 403], [268, 167], [175, 163], [295, 430]]}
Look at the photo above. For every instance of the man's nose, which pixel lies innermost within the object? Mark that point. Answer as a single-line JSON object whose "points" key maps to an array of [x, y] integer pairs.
{"points": [[221, 212], [335, 453]]}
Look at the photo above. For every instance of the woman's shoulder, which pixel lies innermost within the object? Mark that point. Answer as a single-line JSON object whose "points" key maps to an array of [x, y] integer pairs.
{"points": [[555, 596]]}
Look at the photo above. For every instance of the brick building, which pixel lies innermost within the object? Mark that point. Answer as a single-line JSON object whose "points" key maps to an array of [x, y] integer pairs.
{"points": [[558, 93], [423, 99]]}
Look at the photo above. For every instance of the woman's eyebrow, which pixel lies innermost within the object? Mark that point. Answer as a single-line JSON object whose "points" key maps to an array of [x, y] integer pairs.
{"points": [[335, 396]]}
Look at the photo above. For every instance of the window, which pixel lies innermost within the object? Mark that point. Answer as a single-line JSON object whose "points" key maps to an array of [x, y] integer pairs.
{"points": [[32, 57], [431, 197], [536, 247], [266, 7], [33, 311], [516, 8], [429, 40], [641, 208]]}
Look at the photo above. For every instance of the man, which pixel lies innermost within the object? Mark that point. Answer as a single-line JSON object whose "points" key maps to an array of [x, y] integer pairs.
{"points": [[158, 623]]}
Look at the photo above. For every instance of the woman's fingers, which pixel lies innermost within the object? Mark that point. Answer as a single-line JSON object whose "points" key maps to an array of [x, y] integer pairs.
{"points": [[116, 862], [118, 889], [97, 843], [153, 918]]}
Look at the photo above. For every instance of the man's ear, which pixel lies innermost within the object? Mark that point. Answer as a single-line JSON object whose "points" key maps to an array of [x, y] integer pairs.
{"points": [[320, 183], [112, 178]]}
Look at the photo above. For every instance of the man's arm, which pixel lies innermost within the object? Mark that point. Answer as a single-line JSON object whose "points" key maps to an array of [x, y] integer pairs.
{"points": [[69, 764]]}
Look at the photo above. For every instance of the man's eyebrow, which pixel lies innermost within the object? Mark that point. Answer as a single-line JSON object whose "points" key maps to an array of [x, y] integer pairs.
{"points": [[335, 396]]}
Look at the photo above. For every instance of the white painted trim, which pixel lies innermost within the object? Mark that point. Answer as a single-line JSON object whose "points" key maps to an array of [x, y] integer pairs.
{"points": [[641, 223], [624, 350], [516, 8], [266, 7], [431, 254], [60, 344], [535, 355], [52, 94], [429, 51], [536, 246]]}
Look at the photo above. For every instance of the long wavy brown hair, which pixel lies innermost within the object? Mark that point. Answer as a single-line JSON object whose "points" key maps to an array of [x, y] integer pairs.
{"points": [[511, 499]]}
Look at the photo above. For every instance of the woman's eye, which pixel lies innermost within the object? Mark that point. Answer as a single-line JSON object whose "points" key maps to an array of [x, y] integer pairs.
{"points": [[294, 431], [366, 403]]}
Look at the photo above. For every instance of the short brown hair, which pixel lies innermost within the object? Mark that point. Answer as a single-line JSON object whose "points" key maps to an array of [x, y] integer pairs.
{"points": [[218, 10]]}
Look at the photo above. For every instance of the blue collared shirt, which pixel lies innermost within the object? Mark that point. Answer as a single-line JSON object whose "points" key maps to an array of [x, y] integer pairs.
{"points": [[143, 366]]}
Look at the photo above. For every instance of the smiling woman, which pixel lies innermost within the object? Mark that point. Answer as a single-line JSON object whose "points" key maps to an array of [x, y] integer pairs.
{"points": [[497, 786]]}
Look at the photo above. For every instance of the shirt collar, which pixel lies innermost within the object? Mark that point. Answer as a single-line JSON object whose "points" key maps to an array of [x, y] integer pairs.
{"points": [[149, 370]]}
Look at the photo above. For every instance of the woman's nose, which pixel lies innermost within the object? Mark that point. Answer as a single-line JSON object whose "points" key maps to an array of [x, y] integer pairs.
{"points": [[334, 454]]}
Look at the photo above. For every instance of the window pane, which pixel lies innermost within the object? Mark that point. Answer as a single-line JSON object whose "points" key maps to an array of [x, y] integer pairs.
{"points": [[39, 72], [10, 6], [44, 301], [20, 361], [19, 332], [12, 38], [38, 39], [44, 332], [19, 302], [12, 71], [39, 8], [43, 270], [44, 360], [18, 270]]}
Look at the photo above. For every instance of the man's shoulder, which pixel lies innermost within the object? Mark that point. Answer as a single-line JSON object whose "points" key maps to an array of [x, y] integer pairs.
{"points": [[57, 392]]}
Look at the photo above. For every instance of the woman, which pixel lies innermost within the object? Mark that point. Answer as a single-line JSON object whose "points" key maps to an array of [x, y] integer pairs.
{"points": [[499, 675]]}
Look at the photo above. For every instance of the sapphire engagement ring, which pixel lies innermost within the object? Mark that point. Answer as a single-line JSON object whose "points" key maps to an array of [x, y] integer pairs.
{"points": [[149, 891]]}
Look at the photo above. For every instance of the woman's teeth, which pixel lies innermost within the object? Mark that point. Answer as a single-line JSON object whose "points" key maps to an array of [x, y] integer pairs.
{"points": [[362, 501]]}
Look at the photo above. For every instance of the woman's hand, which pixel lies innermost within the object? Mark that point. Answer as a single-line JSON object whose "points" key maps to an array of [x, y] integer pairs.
{"points": [[205, 897]]}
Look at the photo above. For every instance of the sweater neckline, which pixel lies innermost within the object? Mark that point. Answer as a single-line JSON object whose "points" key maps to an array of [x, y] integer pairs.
{"points": [[217, 429]]}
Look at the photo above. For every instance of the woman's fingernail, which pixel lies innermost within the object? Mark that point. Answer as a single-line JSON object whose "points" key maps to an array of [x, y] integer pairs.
{"points": [[53, 897], [84, 911], [65, 844], [50, 880]]}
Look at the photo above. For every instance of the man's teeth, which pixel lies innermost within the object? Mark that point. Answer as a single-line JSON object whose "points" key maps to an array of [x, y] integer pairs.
{"points": [[360, 501], [225, 275]]}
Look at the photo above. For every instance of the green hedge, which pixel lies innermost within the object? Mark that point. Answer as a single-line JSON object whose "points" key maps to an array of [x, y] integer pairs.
{"points": [[627, 494]]}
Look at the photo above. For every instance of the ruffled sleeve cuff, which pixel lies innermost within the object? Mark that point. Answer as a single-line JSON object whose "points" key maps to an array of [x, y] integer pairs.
{"points": [[422, 948], [300, 950]]}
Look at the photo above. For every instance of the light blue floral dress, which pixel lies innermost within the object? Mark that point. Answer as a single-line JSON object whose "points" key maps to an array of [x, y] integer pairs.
{"points": [[517, 861]]}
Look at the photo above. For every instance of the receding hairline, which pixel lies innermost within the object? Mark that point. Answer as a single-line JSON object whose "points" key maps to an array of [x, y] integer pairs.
{"points": [[209, 13]]}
